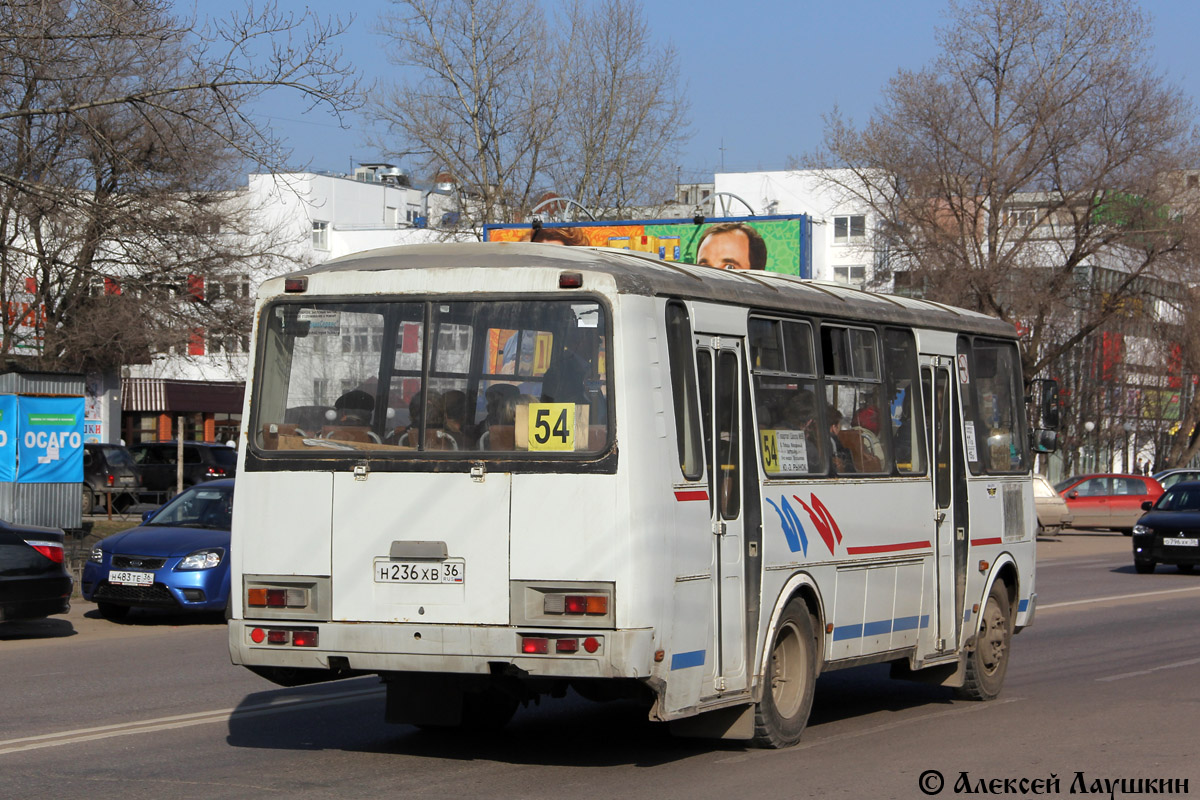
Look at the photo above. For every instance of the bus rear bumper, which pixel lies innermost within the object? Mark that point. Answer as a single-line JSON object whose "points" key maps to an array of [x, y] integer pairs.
{"points": [[463, 649]]}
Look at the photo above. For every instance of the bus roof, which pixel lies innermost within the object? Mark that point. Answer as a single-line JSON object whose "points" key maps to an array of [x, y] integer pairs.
{"points": [[636, 273]]}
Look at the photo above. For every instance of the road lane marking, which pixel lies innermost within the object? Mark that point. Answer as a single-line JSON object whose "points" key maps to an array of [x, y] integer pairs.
{"points": [[180, 721], [839, 737], [1176, 665], [1111, 597]]}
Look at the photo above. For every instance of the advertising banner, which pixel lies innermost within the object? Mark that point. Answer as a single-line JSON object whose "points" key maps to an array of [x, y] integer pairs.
{"points": [[8, 437], [776, 243], [51, 440]]}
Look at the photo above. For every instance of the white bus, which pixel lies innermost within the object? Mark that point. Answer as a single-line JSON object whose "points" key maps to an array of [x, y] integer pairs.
{"points": [[485, 472]]}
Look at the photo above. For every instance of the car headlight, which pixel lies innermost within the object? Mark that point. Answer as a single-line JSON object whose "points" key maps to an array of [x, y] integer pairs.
{"points": [[1142, 530], [202, 559], [97, 556]]}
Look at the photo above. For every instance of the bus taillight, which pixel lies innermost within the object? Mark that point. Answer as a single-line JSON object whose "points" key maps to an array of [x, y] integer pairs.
{"points": [[535, 645], [596, 604], [262, 597]]}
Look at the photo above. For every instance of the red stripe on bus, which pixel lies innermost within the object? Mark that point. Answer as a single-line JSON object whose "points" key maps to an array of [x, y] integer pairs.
{"points": [[695, 494], [982, 542], [888, 548]]}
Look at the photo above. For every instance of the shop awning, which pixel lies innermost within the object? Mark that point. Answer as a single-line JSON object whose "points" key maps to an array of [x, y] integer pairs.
{"points": [[161, 395]]}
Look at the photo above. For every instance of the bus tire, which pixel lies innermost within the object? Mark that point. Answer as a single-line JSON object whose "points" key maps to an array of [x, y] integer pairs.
{"points": [[790, 677], [987, 661]]}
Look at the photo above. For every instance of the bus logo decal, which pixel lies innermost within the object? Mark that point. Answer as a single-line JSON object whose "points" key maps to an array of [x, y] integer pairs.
{"points": [[826, 525], [793, 530]]}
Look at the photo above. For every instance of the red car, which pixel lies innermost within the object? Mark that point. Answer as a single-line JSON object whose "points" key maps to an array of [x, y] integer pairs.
{"points": [[1108, 501]]}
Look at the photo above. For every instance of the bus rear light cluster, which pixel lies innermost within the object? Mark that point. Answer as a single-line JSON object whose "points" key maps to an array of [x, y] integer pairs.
{"points": [[261, 597], [577, 604], [303, 637], [543, 645]]}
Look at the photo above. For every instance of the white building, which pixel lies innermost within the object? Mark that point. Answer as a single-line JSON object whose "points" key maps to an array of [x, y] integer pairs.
{"points": [[310, 217]]}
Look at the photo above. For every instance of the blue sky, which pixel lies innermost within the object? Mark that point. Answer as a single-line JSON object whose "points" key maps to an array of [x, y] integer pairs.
{"points": [[760, 73]]}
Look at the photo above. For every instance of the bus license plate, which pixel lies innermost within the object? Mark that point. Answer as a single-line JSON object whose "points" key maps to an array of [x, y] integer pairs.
{"points": [[1182, 542], [126, 578], [388, 571]]}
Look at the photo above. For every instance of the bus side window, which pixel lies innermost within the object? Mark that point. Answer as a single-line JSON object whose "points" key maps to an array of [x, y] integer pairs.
{"points": [[683, 391], [901, 394]]}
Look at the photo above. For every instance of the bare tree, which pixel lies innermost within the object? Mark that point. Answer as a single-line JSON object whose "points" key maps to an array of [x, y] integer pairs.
{"points": [[1026, 172], [124, 130], [510, 105], [619, 128]]}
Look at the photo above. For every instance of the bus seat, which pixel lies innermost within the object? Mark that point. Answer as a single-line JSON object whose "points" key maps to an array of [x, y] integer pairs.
{"points": [[499, 437], [860, 451], [597, 437], [349, 433], [273, 430]]}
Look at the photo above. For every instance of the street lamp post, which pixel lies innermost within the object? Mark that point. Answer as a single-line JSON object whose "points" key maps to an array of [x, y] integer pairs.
{"points": [[1089, 447]]}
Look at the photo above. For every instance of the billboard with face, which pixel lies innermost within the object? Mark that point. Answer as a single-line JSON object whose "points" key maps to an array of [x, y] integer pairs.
{"points": [[776, 243]]}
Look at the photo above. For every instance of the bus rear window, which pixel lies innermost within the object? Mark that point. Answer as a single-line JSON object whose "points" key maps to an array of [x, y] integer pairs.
{"points": [[502, 378]]}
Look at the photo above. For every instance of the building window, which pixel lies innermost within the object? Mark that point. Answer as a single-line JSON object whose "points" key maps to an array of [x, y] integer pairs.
{"points": [[850, 229], [1021, 217], [850, 274], [320, 235]]}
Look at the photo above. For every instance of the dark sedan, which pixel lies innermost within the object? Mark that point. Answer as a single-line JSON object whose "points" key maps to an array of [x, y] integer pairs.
{"points": [[1169, 532], [34, 583]]}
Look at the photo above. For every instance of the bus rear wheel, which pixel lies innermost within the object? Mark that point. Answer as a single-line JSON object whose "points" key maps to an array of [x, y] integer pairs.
{"points": [[988, 659], [791, 676]]}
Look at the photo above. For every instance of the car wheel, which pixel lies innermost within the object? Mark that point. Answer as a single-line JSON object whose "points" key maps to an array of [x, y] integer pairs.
{"points": [[987, 661], [89, 500], [113, 613], [1185, 568], [791, 676]]}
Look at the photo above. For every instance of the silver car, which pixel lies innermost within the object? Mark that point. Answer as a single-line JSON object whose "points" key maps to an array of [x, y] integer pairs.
{"points": [[1052, 511]]}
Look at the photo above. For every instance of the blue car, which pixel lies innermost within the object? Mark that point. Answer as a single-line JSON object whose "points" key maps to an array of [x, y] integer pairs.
{"points": [[177, 559]]}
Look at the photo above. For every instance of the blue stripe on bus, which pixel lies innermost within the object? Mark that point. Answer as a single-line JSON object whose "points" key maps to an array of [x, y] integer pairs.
{"points": [[685, 660], [880, 627], [1023, 605]]}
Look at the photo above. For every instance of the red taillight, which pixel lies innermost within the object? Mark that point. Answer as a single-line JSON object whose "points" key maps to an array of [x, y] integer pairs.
{"points": [[215, 472], [566, 645], [575, 604], [591, 644], [570, 280], [276, 636], [535, 645], [112, 480], [304, 638], [257, 635], [51, 550], [295, 284], [277, 598]]}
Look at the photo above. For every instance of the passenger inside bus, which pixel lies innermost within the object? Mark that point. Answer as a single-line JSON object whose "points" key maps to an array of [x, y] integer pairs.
{"points": [[843, 462], [350, 418]]}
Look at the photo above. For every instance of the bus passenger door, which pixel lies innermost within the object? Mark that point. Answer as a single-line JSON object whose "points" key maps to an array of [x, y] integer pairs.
{"points": [[938, 396], [719, 370]]}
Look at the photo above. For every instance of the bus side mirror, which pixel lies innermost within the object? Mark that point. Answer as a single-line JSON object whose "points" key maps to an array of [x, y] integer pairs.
{"points": [[1045, 441], [1043, 393]]}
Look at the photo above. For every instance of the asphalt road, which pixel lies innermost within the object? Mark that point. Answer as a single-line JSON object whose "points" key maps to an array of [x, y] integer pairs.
{"points": [[1101, 687]]}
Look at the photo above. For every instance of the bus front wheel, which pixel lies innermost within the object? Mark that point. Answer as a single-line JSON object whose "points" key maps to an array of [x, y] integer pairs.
{"points": [[791, 676], [988, 659]]}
